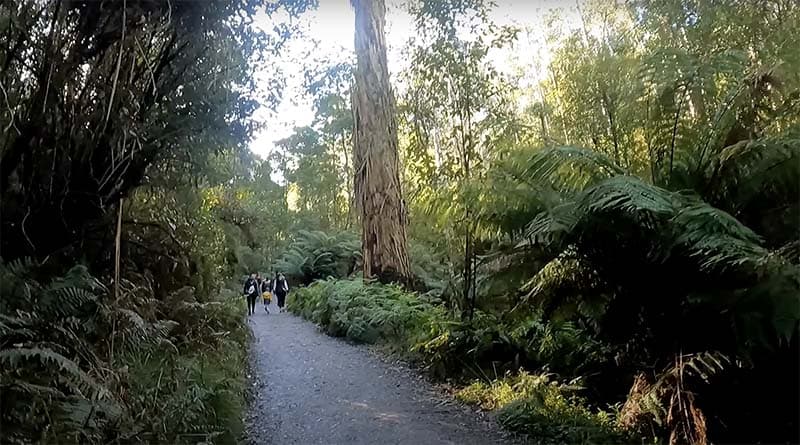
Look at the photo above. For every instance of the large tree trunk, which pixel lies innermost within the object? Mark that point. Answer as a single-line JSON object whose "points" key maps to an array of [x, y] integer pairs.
{"points": [[377, 182]]}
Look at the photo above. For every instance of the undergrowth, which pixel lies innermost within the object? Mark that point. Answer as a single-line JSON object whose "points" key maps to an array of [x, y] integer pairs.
{"points": [[366, 313], [80, 365], [548, 411]]}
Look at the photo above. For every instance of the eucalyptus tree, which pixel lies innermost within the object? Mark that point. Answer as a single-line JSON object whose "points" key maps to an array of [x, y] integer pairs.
{"points": [[375, 159]]}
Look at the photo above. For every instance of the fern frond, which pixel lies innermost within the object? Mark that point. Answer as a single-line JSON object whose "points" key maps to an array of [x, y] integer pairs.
{"points": [[80, 411], [15, 327], [568, 169], [79, 277], [626, 194], [80, 381], [565, 286], [20, 267], [30, 389], [703, 364], [751, 170], [716, 239], [550, 227], [64, 301], [316, 255]]}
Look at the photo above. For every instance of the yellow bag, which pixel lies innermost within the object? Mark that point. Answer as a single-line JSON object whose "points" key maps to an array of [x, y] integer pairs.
{"points": [[267, 297]]}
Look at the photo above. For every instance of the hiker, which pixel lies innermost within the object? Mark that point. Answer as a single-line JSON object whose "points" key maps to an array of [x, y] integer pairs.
{"points": [[251, 291], [266, 293], [280, 288]]}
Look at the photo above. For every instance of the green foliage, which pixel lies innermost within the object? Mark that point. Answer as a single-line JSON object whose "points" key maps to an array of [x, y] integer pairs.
{"points": [[756, 181], [316, 160], [727, 277], [367, 313], [547, 411], [78, 367], [160, 91], [311, 168], [487, 344], [49, 368], [429, 267], [423, 332], [250, 209], [550, 418], [318, 255], [629, 207], [498, 393], [632, 200], [198, 394]]}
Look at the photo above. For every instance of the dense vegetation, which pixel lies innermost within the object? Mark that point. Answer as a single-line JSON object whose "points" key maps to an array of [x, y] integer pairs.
{"points": [[626, 222], [129, 203], [604, 243]]}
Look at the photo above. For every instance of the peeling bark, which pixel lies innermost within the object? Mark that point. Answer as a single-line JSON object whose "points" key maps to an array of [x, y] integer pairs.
{"points": [[375, 160]]}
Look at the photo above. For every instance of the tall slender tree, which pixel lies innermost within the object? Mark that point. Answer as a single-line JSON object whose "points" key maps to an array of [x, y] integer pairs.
{"points": [[377, 181]]}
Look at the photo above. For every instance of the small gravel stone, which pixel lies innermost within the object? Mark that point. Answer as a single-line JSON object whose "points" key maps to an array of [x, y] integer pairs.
{"points": [[314, 389]]}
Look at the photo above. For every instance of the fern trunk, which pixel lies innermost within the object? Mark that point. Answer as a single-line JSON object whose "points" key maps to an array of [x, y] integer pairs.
{"points": [[376, 165]]}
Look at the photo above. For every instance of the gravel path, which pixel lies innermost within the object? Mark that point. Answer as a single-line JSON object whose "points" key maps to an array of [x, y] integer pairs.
{"points": [[314, 389]]}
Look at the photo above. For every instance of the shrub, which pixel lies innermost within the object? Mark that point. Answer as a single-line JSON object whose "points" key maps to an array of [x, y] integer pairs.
{"points": [[444, 344], [536, 405], [188, 397], [77, 366], [366, 313], [498, 393]]}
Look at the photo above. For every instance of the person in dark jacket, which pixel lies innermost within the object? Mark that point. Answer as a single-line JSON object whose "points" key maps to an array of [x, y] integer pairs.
{"points": [[252, 289], [280, 288]]}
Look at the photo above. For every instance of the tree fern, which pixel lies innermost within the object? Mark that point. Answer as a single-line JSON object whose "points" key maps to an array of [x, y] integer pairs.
{"points": [[549, 227], [626, 194], [63, 301], [678, 83], [536, 180], [318, 255], [715, 239], [568, 168], [629, 234], [758, 181], [567, 287]]}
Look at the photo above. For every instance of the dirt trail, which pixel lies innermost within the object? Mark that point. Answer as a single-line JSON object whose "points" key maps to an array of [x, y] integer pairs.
{"points": [[314, 389]]}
